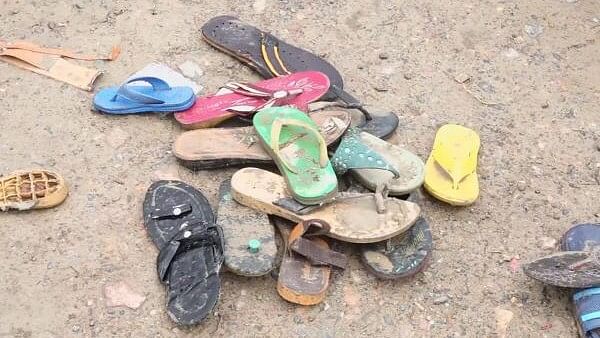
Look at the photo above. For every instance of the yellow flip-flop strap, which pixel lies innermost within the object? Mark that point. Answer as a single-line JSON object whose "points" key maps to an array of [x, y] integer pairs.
{"points": [[278, 123]]}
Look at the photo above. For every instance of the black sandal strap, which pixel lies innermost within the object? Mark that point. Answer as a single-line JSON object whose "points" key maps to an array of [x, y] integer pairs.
{"points": [[350, 100], [172, 211], [196, 234]]}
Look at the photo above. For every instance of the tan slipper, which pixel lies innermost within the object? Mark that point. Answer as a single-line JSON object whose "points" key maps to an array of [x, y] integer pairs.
{"points": [[356, 218], [223, 147], [36, 189]]}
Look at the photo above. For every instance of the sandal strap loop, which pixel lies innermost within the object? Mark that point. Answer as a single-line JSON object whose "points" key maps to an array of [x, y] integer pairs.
{"points": [[127, 92], [276, 127], [272, 97], [300, 243]]}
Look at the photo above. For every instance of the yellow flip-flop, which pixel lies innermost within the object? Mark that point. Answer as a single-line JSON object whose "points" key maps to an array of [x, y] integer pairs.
{"points": [[451, 170]]}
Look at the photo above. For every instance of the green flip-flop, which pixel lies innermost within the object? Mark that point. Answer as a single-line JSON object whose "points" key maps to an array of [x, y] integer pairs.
{"points": [[293, 140]]}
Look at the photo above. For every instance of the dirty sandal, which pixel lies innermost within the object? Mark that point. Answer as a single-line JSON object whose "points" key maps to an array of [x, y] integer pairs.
{"points": [[180, 221], [373, 162], [250, 248], [293, 140], [197, 149], [272, 57], [36, 189], [355, 218], [451, 170], [401, 256], [264, 52], [244, 99], [306, 264], [578, 267], [159, 97], [583, 237], [380, 124]]}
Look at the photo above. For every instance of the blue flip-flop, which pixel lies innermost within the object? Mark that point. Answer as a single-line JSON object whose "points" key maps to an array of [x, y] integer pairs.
{"points": [[583, 237], [159, 97]]}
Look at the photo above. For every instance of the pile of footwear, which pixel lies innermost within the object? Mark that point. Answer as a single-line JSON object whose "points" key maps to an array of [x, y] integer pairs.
{"points": [[317, 135], [314, 148]]}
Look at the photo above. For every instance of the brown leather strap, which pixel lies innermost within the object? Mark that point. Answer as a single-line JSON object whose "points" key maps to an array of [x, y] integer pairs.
{"points": [[28, 46], [300, 244]]}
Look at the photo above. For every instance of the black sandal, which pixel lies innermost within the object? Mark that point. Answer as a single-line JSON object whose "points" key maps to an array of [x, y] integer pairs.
{"points": [[181, 223]]}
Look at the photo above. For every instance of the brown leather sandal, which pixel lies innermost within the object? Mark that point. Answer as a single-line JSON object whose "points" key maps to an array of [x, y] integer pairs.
{"points": [[306, 264], [36, 189]]}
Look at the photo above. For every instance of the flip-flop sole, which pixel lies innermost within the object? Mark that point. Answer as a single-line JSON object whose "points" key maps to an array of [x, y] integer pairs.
{"points": [[188, 302], [352, 220], [197, 149], [404, 256], [241, 225], [243, 42], [567, 269], [409, 165]]}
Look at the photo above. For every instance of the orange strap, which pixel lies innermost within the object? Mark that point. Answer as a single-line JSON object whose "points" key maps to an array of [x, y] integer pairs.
{"points": [[25, 45]]}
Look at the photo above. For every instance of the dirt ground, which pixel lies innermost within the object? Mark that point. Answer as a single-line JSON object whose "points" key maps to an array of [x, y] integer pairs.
{"points": [[533, 96]]}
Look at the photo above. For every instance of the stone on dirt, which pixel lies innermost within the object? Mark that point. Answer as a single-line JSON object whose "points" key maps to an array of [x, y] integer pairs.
{"points": [[121, 294]]}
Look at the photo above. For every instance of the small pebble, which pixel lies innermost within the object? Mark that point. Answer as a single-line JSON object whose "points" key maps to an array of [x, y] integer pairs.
{"points": [[407, 76], [545, 105], [521, 185], [384, 56], [548, 243], [534, 29], [440, 300], [76, 328]]}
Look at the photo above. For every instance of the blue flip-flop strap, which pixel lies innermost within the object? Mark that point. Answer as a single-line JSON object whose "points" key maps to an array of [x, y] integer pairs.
{"points": [[587, 303], [157, 84]]}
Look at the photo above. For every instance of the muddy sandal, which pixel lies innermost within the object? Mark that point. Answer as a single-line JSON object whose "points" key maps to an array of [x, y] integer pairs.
{"points": [[584, 237], [244, 99], [577, 267], [272, 57], [401, 256], [197, 149], [293, 140], [250, 248], [180, 222], [374, 162], [306, 264], [355, 218], [36, 189]]}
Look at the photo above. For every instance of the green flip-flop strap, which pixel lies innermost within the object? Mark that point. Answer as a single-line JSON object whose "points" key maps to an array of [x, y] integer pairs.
{"points": [[276, 127], [352, 153]]}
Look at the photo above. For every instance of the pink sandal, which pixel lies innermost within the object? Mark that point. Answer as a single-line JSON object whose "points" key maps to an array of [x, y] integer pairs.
{"points": [[242, 99]]}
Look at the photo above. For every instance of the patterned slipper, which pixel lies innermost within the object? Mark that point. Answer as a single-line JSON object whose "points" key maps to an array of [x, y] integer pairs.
{"points": [[36, 189]]}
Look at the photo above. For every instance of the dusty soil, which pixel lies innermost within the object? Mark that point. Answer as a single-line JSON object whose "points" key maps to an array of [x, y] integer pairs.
{"points": [[533, 96]]}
